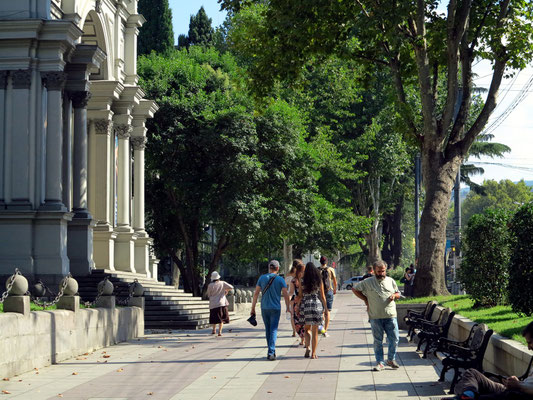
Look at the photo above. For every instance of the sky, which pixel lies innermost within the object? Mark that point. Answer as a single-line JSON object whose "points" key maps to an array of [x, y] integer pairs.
{"points": [[516, 131]]}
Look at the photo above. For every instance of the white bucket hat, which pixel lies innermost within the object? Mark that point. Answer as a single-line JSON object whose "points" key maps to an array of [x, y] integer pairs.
{"points": [[215, 275]]}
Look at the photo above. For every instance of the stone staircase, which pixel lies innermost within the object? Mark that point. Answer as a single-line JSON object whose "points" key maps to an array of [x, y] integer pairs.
{"points": [[165, 306]]}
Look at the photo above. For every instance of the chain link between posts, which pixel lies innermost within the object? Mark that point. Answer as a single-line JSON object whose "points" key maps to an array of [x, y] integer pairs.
{"points": [[9, 284], [46, 304], [98, 295], [131, 288]]}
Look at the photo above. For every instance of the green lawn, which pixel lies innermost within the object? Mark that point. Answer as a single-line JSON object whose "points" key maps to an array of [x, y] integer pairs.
{"points": [[501, 318], [35, 307]]}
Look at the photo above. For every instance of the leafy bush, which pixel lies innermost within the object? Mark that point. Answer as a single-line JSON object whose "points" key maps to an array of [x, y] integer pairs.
{"points": [[484, 270], [521, 265]]}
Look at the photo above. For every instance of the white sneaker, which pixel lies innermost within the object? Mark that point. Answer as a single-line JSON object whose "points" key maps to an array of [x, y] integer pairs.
{"points": [[379, 367]]}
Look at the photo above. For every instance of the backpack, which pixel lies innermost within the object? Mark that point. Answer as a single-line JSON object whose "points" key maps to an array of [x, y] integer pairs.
{"points": [[325, 278]]}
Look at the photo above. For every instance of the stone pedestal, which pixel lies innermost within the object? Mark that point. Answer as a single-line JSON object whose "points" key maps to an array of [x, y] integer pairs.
{"points": [[142, 255], [50, 247], [154, 263], [17, 304], [104, 247], [71, 303], [106, 302], [125, 250], [80, 246], [136, 302]]}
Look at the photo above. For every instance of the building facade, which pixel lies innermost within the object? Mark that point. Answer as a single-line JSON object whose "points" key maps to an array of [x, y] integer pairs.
{"points": [[72, 139]]}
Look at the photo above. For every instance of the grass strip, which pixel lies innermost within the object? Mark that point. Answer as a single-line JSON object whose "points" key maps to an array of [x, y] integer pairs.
{"points": [[501, 319]]}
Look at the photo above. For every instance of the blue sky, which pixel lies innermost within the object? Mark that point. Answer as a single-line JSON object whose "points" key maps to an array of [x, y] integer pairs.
{"points": [[516, 131], [183, 9]]}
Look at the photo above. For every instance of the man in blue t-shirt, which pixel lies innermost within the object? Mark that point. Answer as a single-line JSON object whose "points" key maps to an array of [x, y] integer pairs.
{"points": [[272, 286]]}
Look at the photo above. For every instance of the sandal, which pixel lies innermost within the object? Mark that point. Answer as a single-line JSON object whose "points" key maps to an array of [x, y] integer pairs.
{"points": [[307, 352]]}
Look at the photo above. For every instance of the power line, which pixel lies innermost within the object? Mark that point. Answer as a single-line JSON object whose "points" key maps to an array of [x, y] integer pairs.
{"points": [[525, 169]]}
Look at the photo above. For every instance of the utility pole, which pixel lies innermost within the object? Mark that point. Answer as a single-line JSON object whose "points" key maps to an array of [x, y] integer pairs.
{"points": [[457, 202]]}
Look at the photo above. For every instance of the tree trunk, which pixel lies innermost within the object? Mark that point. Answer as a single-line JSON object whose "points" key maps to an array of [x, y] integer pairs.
{"points": [[287, 256], [439, 176], [175, 270], [372, 245]]}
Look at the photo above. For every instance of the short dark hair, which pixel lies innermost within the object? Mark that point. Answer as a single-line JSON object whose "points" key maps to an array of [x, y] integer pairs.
{"points": [[528, 330], [323, 260]]}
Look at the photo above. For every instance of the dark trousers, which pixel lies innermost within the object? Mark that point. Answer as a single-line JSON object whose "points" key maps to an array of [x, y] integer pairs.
{"points": [[488, 390]]}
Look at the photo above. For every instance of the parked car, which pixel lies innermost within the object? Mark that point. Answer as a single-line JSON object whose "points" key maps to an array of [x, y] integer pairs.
{"points": [[350, 283]]}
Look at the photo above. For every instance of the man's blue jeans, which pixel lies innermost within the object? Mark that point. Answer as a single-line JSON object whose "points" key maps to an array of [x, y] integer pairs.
{"points": [[271, 320], [390, 327]]}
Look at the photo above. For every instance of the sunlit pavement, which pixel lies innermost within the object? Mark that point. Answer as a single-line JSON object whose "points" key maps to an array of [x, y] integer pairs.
{"points": [[196, 365]]}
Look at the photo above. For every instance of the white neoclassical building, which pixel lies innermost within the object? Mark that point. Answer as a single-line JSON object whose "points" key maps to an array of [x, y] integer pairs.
{"points": [[72, 139]]}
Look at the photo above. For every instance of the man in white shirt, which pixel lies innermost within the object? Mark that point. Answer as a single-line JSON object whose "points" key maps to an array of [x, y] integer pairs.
{"points": [[379, 293]]}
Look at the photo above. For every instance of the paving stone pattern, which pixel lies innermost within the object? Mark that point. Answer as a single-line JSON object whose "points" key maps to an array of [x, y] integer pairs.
{"points": [[183, 365]]}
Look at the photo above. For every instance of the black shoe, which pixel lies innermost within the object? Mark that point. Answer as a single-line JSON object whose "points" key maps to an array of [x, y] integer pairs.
{"points": [[272, 357]]}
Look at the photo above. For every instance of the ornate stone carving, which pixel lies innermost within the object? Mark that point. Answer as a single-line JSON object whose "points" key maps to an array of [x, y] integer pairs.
{"points": [[138, 142], [80, 99], [54, 80], [102, 126], [123, 131], [3, 79], [21, 79]]}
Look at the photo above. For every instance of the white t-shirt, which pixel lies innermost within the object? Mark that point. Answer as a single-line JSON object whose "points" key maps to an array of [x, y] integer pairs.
{"points": [[216, 291]]}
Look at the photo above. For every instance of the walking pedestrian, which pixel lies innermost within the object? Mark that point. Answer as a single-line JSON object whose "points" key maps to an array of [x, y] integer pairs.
{"points": [[330, 287], [218, 303], [288, 279], [379, 293], [313, 301], [295, 288], [272, 286]]}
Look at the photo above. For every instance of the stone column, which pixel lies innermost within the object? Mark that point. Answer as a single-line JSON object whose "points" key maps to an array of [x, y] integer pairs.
{"points": [[102, 189], [124, 244], [66, 175], [54, 82], [3, 126], [143, 241], [80, 230], [20, 141], [79, 189]]}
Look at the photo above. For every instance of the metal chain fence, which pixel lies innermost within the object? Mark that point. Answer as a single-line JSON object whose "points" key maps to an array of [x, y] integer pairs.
{"points": [[98, 295], [9, 285], [45, 304], [131, 287]]}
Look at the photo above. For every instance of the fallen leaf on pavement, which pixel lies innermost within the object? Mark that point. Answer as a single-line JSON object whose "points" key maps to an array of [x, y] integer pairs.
{"points": [[287, 376], [150, 393], [5, 392], [85, 354], [269, 391], [59, 395], [74, 373], [106, 356], [5, 379], [120, 369]]}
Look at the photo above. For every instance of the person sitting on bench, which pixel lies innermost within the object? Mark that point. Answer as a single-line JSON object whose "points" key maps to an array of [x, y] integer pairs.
{"points": [[475, 385]]}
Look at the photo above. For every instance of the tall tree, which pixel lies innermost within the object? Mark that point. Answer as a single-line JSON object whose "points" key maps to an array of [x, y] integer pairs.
{"points": [[201, 31], [212, 160], [156, 34], [417, 42]]}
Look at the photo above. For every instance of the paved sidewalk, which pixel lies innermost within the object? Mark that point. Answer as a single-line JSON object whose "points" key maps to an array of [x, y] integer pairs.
{"points": [[196, 365]]}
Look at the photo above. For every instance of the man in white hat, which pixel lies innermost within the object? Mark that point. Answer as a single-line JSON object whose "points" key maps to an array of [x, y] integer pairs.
{"points": [[272, 286]]}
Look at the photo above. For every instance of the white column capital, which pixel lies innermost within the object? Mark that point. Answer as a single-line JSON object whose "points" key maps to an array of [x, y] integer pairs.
{"points": [[102, 126], [138, 142], [123, 131]]}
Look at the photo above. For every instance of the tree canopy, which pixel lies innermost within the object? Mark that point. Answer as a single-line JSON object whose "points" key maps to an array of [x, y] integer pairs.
{"points": [[156, 33], [418, 42]]}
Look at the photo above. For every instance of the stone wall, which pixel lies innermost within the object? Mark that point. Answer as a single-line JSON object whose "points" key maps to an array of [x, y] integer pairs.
{"points": [[503, 356], [47, 337]]}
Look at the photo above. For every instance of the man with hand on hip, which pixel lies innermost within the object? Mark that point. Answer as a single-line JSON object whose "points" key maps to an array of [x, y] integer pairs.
{"points": [[272, 286], [380, 293]]}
